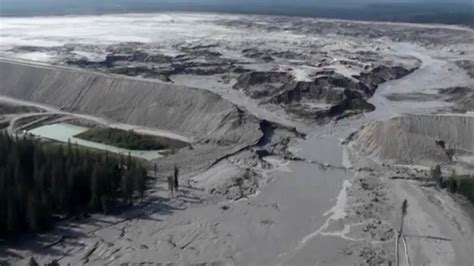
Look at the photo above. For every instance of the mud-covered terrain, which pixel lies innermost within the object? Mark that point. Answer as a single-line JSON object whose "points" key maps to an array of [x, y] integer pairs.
{"points": [[281, 63], [304, 135]]}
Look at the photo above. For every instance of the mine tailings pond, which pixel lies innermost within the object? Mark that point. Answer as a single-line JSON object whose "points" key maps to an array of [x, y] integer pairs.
{"points": [[63, 132]]}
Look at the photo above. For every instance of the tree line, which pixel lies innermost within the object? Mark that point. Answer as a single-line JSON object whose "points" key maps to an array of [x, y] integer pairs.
{"points": [[463, 185], [128, 139], [40, 184]]}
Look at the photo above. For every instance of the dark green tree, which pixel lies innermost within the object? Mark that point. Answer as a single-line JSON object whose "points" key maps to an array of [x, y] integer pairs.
{"points": [[33, 213], [175, 178], [41, 183], [53, 263], [452, 185], [95, 190], [127, 187], [436, 174], [140, 182], [33, 262]]}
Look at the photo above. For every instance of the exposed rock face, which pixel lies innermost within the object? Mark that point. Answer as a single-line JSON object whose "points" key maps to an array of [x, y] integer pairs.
{"points": [[329, 94], [417, 139], [256, 54], [149, 67], [327, 88], [195, 113], [381, 74], [259, 85]]}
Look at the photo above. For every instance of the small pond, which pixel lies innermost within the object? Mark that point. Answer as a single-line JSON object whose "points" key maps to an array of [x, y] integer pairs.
{"points": [[65, 132]]}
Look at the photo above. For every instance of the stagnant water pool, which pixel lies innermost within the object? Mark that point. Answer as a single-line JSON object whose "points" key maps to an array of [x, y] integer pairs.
{"points": [[65, 132]]}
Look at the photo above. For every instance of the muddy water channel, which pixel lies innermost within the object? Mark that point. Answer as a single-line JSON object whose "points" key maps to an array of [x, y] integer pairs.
{"points": [[63, 132], [283, 223], [301, 200]]}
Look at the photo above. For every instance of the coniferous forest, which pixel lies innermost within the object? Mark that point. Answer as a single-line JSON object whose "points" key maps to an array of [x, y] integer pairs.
{"points": [[463, 185], [41, 183]]}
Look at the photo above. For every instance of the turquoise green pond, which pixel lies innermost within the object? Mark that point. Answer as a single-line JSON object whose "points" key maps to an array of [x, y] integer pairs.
{"points": [[65, 132]]}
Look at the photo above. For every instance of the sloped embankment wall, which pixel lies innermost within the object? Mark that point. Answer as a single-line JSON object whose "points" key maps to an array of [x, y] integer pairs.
{"points": [[417, 139], [190, 112]]}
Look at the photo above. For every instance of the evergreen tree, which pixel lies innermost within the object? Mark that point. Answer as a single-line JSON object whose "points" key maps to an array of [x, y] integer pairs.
{"points": [[70, 152], [104, 203], [404, 213], [39, 182], [53, 263], [13, 216], [34, 213], [452, 185], [436, 174], [129, 161], [175, 178], [127, 187], [33, 262], [140, 183], [95, 190]]}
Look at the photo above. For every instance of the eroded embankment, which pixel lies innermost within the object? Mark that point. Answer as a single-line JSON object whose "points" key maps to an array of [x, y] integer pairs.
{"points": [[194, 113], [418, 139], [329, 94]]}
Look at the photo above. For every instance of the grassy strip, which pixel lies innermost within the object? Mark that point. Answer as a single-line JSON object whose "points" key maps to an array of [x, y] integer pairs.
{"points": [[52, 145], [129, 139]]}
